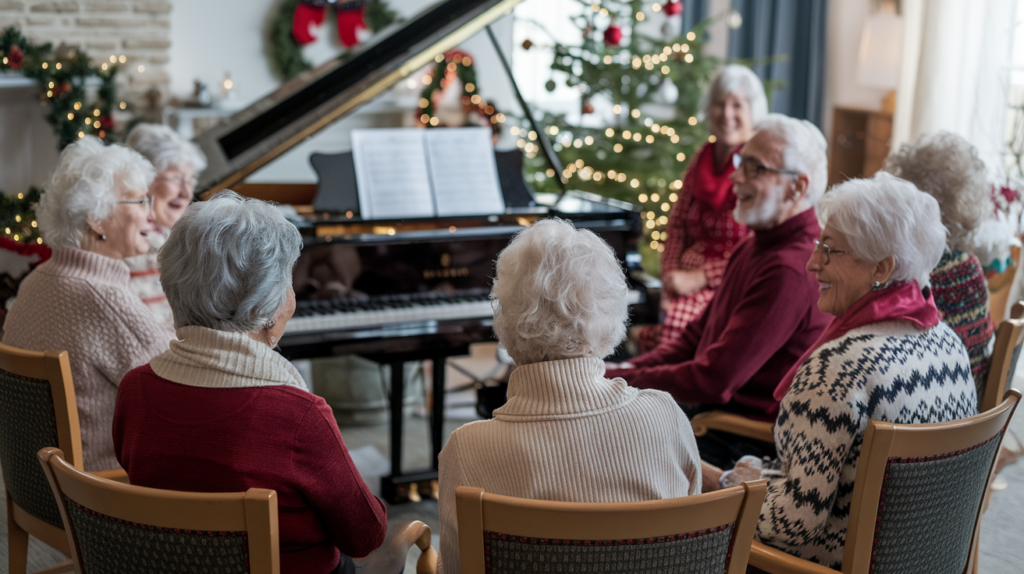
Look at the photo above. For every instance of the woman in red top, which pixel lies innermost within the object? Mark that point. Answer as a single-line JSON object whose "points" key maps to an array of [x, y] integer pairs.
{"points": [[222, 412], [702, 233]]}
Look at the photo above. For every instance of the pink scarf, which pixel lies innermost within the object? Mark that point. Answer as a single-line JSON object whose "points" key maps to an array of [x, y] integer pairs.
{"points": [[902, 302]]}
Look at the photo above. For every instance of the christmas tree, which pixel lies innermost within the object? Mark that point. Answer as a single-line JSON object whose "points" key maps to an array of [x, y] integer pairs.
{"points": [[653, 85]]}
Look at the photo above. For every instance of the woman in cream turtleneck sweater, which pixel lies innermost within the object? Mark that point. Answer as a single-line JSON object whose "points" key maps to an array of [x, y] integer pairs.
{"points": [[566, 433]]}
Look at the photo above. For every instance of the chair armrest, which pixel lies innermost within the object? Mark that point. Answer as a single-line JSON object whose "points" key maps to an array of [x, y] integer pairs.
{"points": [[116, 474], [735, 424], [427, 563], [778, 562]]}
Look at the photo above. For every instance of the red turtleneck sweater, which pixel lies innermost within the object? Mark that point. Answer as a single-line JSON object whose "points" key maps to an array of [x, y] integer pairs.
{"points": [[762, 319]]}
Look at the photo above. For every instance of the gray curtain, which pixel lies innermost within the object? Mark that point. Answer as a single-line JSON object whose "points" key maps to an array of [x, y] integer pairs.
{"points": [[786, 38], [694, 11]]}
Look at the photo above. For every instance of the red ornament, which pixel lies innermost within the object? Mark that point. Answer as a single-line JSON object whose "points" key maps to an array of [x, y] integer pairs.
{"points": [[106, 122], [61, 89], [673, 8], [613, 35], [15, 57]]}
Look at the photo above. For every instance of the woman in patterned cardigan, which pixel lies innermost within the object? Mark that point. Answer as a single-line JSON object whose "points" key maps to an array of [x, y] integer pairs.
{"points": [[948, 168], [886, 356], [702, 233]]}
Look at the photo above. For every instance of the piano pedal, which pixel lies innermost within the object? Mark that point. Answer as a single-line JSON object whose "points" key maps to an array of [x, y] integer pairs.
{"points": [[414, 492]]}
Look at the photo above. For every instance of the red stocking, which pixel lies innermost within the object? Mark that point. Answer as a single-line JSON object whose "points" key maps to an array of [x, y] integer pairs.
{"points": [[348, 22], [306, 14]]}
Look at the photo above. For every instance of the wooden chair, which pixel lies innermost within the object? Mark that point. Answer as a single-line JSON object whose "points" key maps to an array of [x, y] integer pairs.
{"points": [[37, 409], [704, 533], [999, 286], [733, 423], [917, 498], [116, 527], [1005, 353]]}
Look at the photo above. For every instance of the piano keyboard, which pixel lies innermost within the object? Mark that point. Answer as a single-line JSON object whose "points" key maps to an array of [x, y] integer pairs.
{"points": [[341, 314]]}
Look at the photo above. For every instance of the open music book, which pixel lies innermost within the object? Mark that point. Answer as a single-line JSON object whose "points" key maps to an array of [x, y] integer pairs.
{"points": [[415, 172]]}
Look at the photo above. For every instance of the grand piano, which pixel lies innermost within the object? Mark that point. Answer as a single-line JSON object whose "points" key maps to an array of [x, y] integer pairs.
{"points": [[397, 290]]}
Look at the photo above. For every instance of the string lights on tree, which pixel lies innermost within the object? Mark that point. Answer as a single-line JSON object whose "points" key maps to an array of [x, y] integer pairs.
{"points": [[644, 93]]}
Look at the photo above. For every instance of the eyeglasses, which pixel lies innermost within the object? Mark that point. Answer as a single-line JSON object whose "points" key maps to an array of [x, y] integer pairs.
{"points": [[147, 201], [829, 252], [190, 182], [752, 169]]}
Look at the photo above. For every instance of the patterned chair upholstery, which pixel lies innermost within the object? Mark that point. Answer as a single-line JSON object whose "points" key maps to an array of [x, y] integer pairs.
{"points": [[699, 552], [917, 499], [27, 424], [112, 546], [708, 533], [928, 508]]}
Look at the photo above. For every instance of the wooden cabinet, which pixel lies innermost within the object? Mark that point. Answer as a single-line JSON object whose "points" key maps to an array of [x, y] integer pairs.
{"points": [[860, 143]]}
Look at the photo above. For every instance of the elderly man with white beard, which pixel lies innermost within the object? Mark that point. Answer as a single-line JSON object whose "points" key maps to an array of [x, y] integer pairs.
{"points": [[765, 314]]}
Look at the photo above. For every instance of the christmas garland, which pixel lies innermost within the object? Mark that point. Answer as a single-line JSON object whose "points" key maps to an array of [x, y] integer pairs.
{"points": [[64, 76], [452, 65], [286, 52]]}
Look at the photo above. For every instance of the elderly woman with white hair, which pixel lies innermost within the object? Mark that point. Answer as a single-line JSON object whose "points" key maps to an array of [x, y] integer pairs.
{"points": [[702, 234], [566, 433], [880, 239], [947, 167], [177, 162], [221, 411], [94, 213]]}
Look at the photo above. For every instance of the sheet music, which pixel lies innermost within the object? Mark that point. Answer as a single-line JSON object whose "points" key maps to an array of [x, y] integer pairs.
{"points": [[463, 172], [392, 177]]}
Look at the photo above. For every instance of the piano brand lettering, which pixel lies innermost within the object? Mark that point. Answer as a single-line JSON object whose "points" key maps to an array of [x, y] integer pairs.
{"points": [[449, 273], [446, 271]]}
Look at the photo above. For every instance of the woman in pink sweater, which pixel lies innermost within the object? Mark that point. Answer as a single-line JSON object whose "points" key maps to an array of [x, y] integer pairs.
{"points": [[221, 411], [94, 213], [177, 161]]}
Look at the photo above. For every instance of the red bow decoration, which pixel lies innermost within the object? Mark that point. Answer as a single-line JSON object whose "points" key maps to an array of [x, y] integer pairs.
{"points": [[349, 15]]}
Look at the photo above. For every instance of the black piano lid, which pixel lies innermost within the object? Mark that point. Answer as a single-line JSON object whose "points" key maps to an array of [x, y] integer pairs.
{"points": [[318, 98]]}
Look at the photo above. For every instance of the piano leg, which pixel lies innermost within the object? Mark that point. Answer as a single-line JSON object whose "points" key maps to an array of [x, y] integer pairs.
{"points": [[397, 487], [437, 410], [397, 416]]}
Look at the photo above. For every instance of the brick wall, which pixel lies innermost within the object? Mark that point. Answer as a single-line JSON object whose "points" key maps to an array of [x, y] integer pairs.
{"points": [[137, 29]]}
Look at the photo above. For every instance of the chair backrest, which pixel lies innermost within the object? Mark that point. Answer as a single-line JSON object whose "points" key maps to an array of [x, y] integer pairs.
{"points": [[1005, 353], [696, 534], [118, 528], [37, 410], [1000, 285], [919, 493]]}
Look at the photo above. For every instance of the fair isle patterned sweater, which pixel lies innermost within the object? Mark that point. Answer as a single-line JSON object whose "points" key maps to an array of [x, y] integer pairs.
{"points": [[887, 371]]}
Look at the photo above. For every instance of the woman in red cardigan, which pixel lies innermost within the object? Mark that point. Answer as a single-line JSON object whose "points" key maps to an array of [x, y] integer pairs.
{"points": [[221, 411], [702, 233]]}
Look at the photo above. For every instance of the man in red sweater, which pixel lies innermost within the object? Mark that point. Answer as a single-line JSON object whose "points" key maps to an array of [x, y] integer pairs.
{"points": [[765, 314]]}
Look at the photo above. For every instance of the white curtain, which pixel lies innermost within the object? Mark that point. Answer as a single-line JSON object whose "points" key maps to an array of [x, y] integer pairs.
{"points": [[955, 72]]}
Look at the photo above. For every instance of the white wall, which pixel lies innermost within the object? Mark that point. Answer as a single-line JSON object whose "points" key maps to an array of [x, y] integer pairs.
{"points": [[211, 37], [845, 21]]}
